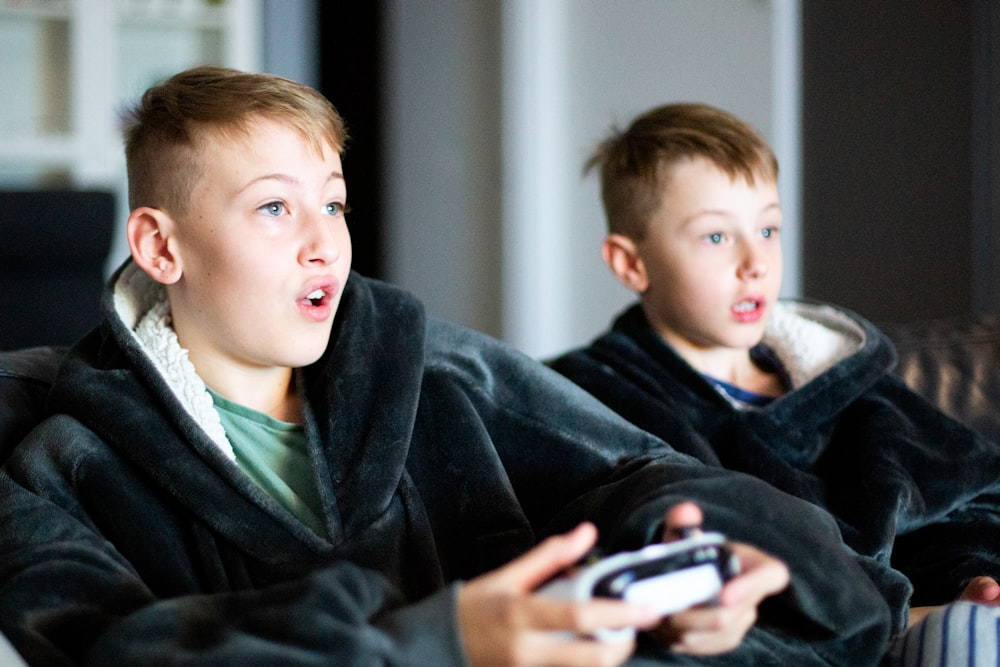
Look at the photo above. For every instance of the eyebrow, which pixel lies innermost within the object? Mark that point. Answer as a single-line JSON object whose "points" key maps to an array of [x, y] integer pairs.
{"points": [[285, 178], [712, 211]]}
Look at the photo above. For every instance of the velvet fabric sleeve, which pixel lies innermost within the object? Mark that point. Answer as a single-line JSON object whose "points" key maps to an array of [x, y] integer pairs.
{"points": [[70, 598], [596, 467], [944, 481]]}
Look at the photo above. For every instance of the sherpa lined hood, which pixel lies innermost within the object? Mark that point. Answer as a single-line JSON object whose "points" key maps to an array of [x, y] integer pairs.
{"points": [[142, 307], [810, 338]]}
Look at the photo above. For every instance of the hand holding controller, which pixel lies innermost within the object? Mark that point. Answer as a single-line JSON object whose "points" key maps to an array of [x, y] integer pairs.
{"points": [[668, 577]]}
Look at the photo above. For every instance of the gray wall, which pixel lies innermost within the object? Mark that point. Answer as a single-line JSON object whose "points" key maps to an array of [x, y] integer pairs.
{"points": [[290, 39], [902, 183], [443, 174], [888, 183]]}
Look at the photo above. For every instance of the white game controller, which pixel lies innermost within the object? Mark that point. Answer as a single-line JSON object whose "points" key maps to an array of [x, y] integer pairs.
{"points": [[669, 577]]}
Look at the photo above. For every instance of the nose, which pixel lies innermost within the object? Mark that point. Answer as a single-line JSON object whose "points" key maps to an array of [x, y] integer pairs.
{"points": [[753, 265], [322, 240]]}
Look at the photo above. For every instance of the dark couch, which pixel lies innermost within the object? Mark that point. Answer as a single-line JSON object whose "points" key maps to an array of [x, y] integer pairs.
{"points": [[25, 377], [53, 248], [955, 363]]}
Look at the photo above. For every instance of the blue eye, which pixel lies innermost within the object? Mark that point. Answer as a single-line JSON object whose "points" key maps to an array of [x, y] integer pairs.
{"points": [[769, 232], [716, 238], [274, 208], [335, 208]]}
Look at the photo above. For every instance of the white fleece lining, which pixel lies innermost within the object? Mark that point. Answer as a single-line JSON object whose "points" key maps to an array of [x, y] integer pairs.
{"points": [[142, 305], [811, 338]]}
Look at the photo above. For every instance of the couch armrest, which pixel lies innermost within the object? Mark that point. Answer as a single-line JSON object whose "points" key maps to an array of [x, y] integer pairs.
{"points": [[955, 363], [25, 378]]}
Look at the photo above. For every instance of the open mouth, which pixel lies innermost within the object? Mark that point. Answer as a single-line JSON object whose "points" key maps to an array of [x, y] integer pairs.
{"points": [[748, 310], [746, 306], [316, 297]]}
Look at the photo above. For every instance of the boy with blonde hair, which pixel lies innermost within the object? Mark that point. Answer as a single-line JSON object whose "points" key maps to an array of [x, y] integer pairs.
{"points": [[797, 393], [262, 458]]}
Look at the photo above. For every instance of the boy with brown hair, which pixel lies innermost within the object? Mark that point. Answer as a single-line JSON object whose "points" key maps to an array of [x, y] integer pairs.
{"points": [[797, 393], [263, 458]]}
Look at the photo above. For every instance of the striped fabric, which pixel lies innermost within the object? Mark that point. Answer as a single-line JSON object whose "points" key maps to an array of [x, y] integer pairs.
{"points": [[961, 634]]}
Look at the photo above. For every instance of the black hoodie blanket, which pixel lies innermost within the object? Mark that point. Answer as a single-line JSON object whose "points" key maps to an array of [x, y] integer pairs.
{"points": [[913, 490], [130, 537]]}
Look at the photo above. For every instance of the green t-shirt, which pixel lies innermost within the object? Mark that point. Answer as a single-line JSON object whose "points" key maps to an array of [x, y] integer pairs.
{"points": [[274, 454]]}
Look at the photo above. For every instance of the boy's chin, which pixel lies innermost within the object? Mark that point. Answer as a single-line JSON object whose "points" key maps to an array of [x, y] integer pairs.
{"points": [[310, 358], [306, 354]]}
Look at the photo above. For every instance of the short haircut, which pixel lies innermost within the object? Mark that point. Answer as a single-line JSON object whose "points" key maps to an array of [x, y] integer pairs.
{"points": [[633, 164], [162, 130]]}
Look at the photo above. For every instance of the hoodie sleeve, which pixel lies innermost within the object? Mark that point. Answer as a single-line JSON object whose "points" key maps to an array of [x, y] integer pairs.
{"points": [[572, 459], [67, 597], [938, 484]]}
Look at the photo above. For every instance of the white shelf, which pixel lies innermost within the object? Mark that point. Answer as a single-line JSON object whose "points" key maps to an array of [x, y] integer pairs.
{"points": [[75, 63], [34, 9]]}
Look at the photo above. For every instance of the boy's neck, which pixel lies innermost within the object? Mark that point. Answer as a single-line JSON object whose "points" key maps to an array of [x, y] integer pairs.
{"points": [[270, 391], [733, 366], [280, 403]]}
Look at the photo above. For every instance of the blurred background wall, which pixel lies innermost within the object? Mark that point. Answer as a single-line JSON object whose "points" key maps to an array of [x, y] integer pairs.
{"points": [[488, 110], [885, 117], [470, 121]]}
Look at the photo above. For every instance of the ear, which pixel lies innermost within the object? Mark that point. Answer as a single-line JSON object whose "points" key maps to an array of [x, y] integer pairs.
{"points": [[622, 257], [149, 239]]}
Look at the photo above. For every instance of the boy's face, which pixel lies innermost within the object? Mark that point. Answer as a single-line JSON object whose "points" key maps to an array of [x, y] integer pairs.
{"points": [[264, 252], [713, 258]]}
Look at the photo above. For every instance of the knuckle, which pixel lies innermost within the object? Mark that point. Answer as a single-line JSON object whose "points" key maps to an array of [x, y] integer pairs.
{"points": [[575, 617], [506, 610]]}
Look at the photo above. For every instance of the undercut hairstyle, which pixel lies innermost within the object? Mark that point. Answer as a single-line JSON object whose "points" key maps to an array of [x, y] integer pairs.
{"points": [[635, 164], [162, 131]]}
